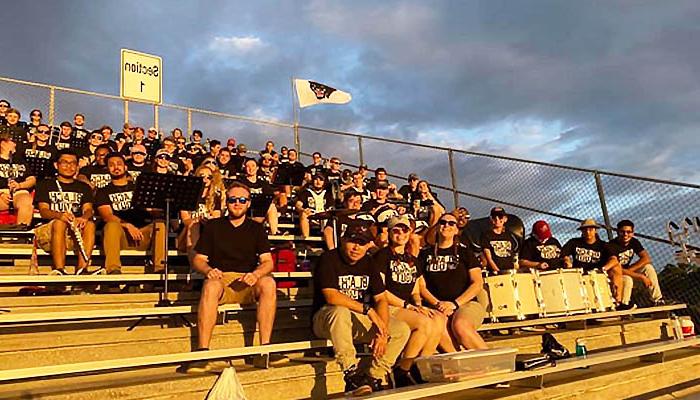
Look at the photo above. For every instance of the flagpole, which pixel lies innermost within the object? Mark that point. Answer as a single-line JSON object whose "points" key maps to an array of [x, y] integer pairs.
{"points": [[295, 115]]}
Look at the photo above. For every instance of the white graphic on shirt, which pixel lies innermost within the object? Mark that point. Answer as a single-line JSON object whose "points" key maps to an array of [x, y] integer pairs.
{"points": [[441, 263], [317, 201], [353, 286], [402, 272], [12, 171], [587, 255], [36, 153], [66, 201], [121, 201], [625, 257], [502, 248], [100, 180], [549, 251]]}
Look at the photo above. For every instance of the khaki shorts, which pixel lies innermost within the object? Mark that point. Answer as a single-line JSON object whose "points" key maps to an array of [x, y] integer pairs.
{"points": [[236, 292], [473, 312], [43, 235]]}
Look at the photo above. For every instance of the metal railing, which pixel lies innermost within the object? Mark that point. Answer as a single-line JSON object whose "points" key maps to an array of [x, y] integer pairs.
{"points": [[563, 195]]}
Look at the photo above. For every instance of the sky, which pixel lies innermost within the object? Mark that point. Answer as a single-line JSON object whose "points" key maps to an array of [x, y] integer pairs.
{"points": [[610, 85]]}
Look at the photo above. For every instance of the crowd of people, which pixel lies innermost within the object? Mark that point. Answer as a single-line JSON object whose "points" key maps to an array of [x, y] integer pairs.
{"points": [[399, 271]]}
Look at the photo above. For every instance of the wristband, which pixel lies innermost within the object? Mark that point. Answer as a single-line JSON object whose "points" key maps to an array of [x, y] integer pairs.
{"points": [[366, 308], [456, 304]]}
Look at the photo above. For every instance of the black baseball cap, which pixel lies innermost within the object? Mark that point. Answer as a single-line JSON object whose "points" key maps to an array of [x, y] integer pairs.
{"points": [[383, 184], [358, 233], [498, 212]]}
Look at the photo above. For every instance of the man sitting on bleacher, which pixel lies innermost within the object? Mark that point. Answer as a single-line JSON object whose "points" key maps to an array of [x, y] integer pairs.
{"points": [[67, 202], [350, 305], [624, 247], [314, 199], [541, 250], [499, 247], [126, 226], [234, 255]]}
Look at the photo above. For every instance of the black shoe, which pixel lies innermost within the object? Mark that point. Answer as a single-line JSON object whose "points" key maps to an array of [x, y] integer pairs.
{"points": [[357, 383], [403, 378], [625, 307], [58, 272], [664, 302], [115, 272], [415, 373]]}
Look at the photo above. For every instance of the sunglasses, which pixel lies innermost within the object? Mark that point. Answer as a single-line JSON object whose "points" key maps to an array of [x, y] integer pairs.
{"points": [[234, 200], [448, 223], [400, 229], [96, 137], [141, 153], [44, 132], [163, 157]]}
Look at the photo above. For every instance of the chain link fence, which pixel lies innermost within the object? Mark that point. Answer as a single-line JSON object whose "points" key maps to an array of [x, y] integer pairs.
{"points": [[560, 194]]}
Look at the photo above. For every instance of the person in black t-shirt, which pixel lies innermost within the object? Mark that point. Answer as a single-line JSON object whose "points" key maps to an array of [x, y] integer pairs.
{"points": [[316, 166], [96, 174], [259, 187], [4, 106], [590, 252], [401, 273], [228, 170], [15, 182], [64, 139], [314, 199], [407, 191], [137, 164], [499, 248], [350, 304], [234, 255], [17, 129], [453, 280], [68, 204], [541, 250], [39, 153], [426, 206], [624, 247], [126, 226], [333, 232]]}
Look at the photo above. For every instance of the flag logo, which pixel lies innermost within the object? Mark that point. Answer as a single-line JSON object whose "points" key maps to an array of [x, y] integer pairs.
{"points": [[310, 93]]}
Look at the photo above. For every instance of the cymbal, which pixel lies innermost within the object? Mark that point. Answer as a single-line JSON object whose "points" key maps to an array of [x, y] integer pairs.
{"points": [[333, 214]]}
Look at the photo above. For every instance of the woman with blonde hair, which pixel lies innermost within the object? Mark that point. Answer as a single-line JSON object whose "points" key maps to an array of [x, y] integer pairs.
{"points": [[210, 206]]}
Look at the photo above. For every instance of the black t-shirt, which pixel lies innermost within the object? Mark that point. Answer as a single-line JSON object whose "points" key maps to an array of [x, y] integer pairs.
{"points": [[625, 254], [71, 196], [15, 170], [316, 201], [400, 272], [447, 274], [47, 152], [233, 249], [549, 252], [359, 282], [365, 194], [503, 247], [136, 170], [314, 169], [62, 143], [407, 193], [291, 174], [229, 170], [586, 256], [152, 145], [119, 198], [98, 175]]}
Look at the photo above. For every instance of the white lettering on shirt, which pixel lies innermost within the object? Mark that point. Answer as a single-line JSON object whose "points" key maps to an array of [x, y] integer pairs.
{"points": [[353, 286]]}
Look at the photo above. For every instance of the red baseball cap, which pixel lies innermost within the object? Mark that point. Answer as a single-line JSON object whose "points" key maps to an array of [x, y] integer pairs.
{"points": [[540, 230]]}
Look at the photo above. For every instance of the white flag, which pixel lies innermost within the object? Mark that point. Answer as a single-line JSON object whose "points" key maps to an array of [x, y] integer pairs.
{"points": [[310, 93]]}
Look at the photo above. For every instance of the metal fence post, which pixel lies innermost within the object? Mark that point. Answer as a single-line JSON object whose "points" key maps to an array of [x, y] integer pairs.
{"points": [[126, 111], [361, 153], [155, 116], [453, 176], [603, 205], [189, 122], [297, 139], [52, 105]]}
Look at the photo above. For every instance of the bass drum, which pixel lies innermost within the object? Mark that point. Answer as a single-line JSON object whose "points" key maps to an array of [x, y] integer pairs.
{"points": [[563, 292], [512, 294], [599, 291]]}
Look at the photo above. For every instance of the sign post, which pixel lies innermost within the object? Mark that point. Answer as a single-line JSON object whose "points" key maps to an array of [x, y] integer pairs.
{"points": [[141, 77]]}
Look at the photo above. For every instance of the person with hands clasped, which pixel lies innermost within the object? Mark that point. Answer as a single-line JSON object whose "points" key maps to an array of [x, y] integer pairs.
{"points": [[398, 267], [350, 304], [452, 281], [234, 254]]}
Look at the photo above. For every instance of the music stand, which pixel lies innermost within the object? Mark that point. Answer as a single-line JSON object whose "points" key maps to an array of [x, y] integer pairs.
{"points": [[259, 204], [165, 191], [39, 167]]}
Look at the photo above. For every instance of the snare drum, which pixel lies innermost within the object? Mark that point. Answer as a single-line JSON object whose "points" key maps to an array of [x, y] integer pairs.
{"points": [[563, 292], [599, 292], [512, 294]]}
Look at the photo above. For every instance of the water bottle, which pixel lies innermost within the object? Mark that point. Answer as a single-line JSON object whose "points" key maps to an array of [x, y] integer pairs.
{"points": [[581, 350], [677, 329]]}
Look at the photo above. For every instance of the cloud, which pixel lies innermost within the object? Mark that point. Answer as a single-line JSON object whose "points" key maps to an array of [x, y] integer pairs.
{"points": [[237, 45]]}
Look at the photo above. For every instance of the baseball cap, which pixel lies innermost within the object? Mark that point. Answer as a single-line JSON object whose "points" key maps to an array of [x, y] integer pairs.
{"points": [[399, 220], [161, 152], [383, 184], [541, 231], [358, 233], [412, 176], [152, 129], [588, 223], [498, 212], [231, 142]]}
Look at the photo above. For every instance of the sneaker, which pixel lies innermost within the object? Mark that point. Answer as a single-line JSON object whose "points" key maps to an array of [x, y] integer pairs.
{"points": [[625, 307], [58, 272], [403, 378], [356, 383], [664, 302], [85, 271]]}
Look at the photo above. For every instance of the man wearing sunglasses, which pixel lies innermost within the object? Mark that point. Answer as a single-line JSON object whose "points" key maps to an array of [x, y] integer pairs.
{"points": [[137, 164], [499, 247], [151, 141], [624, 247], [234, 255], [4, 106], [40, 149], [126, 226]]}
